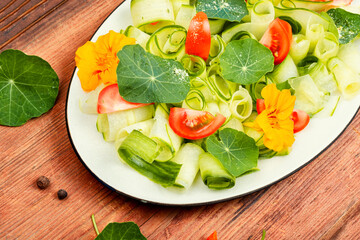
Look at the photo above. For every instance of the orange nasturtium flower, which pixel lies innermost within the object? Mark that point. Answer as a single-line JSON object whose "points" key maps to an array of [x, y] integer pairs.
{"points": [[97, 62], [275, 122]]}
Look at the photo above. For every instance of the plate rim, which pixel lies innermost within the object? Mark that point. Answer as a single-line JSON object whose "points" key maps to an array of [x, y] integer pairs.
{"points": [[185, 204]]}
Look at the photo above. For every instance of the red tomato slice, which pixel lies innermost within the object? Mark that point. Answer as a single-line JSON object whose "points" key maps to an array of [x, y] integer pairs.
{"points": [[198, 39], [193, 124], [110, 101], [301, 120], [260, 105], [278, 38], [213, 236]]}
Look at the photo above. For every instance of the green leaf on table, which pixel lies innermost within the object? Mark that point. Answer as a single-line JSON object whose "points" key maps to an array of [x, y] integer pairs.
{"points": [[246, 61], [121, 231], [347, 24], [231, 10], [235, 150], [145, 78], [28, 87]]}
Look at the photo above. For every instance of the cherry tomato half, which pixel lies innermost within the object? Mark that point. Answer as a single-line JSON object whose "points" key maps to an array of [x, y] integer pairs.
{"points": [[193, 124], [213, 236], [110, 101], [260, 105], [198, 39], [301, 120], [278, 38]]}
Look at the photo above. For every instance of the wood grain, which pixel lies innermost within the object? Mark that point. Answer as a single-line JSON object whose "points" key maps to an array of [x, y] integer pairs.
{"points": [[321, 201]]}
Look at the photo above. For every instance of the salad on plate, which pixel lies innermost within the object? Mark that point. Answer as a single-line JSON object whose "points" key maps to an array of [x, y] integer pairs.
{"points": [[208, 88]]}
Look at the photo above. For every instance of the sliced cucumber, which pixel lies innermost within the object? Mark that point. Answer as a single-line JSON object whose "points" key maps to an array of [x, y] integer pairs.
{"points": [[110, 124], [168, 42], [299, 48], [241, 104], [186, 13], [195, 100], [311, 5], [188, 157], [142, 145], [327, 47], [144, 127], [217, 48], [234, 123], [224, 89], [177, 5], [314, 32], [285, 70], [216, 25], [194, 65], [262, 12], [213, 173], [142, 13], [256, 29], [257, 136], [330, 107], [164, 135], [88, 103], [308, 96], [347, 80], [322, 78], [140, 36], [302, 16], [350, 55]]}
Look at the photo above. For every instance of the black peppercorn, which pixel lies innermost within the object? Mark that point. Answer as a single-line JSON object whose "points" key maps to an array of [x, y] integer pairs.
{"points": [[62, 194], [42, 182]]}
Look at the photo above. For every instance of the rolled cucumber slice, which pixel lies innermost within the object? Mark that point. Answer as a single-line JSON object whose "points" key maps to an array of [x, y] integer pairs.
{"points": [[138, 151], [168, 42], [213, 173], [308, 97], [164, 135], [322, 78], [140, 36], [347, 80], [217, 48], [144, 127], [256, 29], [262, 12], [109, 124], [188, 157], [302, 16], [241, 104], [299, 48], [151, 15], [350, 55]]}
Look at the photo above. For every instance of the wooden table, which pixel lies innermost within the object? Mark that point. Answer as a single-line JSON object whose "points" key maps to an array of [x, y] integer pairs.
{"points": [[321, 201]]}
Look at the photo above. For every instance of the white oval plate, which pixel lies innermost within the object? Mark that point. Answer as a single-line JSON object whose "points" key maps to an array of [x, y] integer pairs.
{"points": [[101, 158]]}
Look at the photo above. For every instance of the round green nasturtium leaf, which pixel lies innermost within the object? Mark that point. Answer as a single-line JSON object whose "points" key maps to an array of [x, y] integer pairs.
{"points": [[28, 87], [246, 61], [145, 78]]}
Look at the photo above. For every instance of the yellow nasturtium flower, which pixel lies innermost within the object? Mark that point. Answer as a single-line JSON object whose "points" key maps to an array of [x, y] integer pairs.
{"points": [[275, 121], [97, 61]]}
